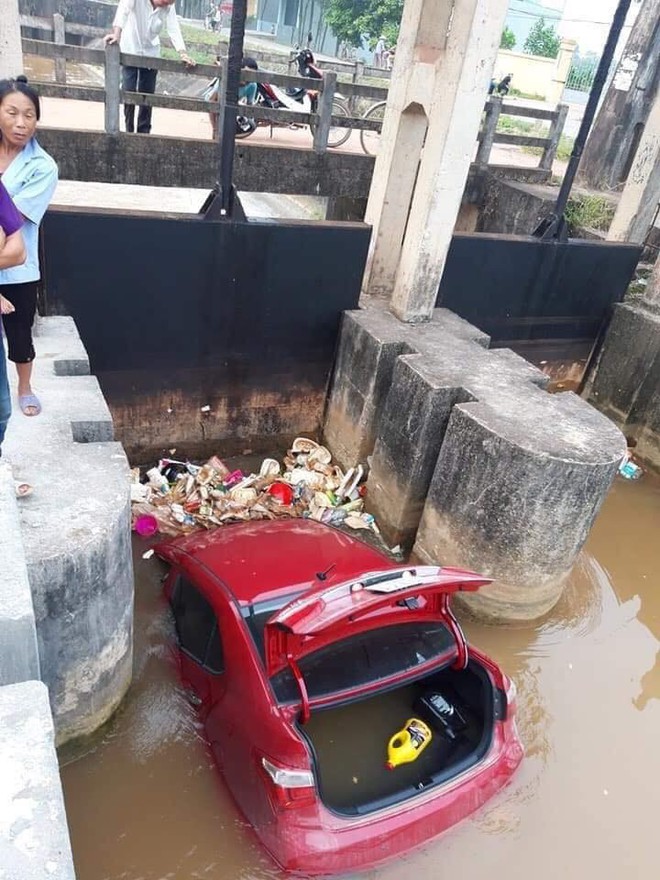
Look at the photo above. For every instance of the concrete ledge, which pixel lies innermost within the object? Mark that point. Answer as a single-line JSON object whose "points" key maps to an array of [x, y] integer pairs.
{"points": [[34, 840], [75, 530], [472, 462], [19, 655]]}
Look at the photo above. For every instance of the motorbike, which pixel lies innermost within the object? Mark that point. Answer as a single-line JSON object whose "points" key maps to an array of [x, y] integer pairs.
{"points": [[301, 99]]}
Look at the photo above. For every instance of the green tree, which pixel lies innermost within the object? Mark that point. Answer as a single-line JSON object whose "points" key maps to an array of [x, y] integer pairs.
{"points": [[350, 19], [508, 40], [542, 40]]}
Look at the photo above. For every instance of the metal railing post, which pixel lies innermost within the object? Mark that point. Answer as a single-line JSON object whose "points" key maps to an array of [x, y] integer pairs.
{"points": [[112, 87], [325, 111], [554, 136], [60, 40], [493, 110]]}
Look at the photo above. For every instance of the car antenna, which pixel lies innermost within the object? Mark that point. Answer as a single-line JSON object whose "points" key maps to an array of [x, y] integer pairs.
{"points": [[322, 575]]}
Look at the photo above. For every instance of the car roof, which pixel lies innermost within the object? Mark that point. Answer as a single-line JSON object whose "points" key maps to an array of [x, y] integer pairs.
{"points": [[261, 560]]}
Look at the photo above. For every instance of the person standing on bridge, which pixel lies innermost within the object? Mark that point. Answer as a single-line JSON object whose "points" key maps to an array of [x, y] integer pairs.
{"points": [[12, 253], [29, 175], [137, 28]]}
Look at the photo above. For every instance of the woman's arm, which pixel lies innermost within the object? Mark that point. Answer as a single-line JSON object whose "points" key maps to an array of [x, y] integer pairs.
{"points": [[12, 250]]}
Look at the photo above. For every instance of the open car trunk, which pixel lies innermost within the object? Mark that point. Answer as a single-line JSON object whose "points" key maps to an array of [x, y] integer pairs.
{"points": [[349, 741]]}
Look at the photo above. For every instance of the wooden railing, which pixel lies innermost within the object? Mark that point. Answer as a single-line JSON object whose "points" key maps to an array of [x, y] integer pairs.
{"points": [[111, 95], [489, 134]]}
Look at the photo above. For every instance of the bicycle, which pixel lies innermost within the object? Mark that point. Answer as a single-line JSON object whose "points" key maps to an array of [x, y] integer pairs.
{"points": [[371, 139]]}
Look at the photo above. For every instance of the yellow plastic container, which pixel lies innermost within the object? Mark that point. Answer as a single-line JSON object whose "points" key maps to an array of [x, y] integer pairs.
{"points": [[408, 744]]}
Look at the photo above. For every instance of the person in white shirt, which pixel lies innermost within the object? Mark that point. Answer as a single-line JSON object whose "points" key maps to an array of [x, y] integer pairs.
{"points": [[137, 28], [379, 52]]}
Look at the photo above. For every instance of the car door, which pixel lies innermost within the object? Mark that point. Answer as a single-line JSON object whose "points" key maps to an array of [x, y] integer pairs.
{"points": [[200, 644]]}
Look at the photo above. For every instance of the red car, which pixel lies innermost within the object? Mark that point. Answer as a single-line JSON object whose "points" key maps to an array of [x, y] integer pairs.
{"points": [[305, 651]]}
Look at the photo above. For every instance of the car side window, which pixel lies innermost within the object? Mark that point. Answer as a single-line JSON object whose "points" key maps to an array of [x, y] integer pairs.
{"points": [[196, 626]]}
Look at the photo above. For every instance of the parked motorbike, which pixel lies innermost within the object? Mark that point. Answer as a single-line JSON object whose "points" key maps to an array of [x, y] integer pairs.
{"points": [[302, 99]]}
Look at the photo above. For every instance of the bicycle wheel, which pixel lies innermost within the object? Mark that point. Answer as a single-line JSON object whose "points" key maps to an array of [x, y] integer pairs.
{"points": [[371, 139], [337, 135]]}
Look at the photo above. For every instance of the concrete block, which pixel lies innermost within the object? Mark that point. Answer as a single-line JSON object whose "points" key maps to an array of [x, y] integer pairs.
{"points": [[19, 655], [515, 492], [75, 530], [370, 343], [475, 464], [34, 840]]}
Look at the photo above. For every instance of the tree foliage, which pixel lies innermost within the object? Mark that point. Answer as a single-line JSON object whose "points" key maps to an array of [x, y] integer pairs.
{"points": [[350, 19], [542, 40], [508, 40]]}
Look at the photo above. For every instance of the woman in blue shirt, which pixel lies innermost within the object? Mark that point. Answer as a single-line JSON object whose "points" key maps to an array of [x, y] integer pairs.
{"points": [[29, 175]]}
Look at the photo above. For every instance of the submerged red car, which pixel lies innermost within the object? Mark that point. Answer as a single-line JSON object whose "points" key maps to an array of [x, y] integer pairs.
{"points": [[305, 651]]}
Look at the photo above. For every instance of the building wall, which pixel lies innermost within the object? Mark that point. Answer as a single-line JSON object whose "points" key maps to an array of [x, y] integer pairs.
{"points": [[532, 75]]}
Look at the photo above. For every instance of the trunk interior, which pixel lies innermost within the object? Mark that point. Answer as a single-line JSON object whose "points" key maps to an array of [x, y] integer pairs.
{"points": [[349, 742]]}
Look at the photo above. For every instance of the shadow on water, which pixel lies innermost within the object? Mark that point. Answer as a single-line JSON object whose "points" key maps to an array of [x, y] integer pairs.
{"points": [[145, 803]]}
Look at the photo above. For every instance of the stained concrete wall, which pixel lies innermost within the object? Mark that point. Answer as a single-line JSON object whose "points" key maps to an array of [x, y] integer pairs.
{"points": [[626, 384], [472, 462], [72, 539]]}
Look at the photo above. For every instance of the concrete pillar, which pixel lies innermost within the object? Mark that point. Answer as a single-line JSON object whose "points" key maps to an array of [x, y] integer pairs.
{"points": [[444, 60], [516, 489], [624, 110], [472, 462], [11, 53], [564, 60], [639, 200]]}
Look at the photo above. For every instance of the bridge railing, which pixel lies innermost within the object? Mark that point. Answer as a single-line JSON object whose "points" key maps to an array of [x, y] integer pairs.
{"points": [[489, 134], [111, 94]]}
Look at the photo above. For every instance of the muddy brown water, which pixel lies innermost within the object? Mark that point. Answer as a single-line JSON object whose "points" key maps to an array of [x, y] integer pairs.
{"points": [[144, 801]]}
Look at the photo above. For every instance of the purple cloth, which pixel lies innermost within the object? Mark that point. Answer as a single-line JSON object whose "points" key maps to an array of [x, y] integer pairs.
{"points": [[11, 218]]}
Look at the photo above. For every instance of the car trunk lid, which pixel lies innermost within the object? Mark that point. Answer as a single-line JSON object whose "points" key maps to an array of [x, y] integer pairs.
{"points": [[323, 615]]}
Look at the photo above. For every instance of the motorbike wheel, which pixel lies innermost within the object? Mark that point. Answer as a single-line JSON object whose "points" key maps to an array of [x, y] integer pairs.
{"points": [[337, 136], [245, 127]]}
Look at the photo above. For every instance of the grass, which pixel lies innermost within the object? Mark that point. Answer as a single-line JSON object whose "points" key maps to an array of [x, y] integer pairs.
{"points": [[516, 93], [589, 211], [515, 125], [197, 55]]}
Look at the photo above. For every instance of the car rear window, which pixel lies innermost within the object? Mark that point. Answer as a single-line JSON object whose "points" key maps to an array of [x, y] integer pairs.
{"points": [[365, 659]]}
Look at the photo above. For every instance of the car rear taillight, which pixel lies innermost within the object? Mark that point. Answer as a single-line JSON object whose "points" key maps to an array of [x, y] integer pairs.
{"points": [[510, 689], [289, 787]]}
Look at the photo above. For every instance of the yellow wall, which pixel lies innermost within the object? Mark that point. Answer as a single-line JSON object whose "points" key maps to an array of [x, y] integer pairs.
{"points": [[531, 74], [534, 75]]}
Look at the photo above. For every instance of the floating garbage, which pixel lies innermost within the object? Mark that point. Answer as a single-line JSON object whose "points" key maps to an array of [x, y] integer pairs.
{"points": [[177, 497], [628, 468]]}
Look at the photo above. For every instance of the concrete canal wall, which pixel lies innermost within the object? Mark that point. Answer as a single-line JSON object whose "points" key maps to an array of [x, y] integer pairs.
{"points": [[472, 462], [626, 385], [66, 597], [74, 543]]}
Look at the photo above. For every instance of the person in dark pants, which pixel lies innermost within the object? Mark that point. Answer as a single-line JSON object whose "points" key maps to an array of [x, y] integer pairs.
{"points": [[138, 79], [137, 27], [12, 253], [29, 175]]}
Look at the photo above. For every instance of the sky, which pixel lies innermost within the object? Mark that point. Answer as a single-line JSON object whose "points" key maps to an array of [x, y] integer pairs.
{"points": [[588, 21]]}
